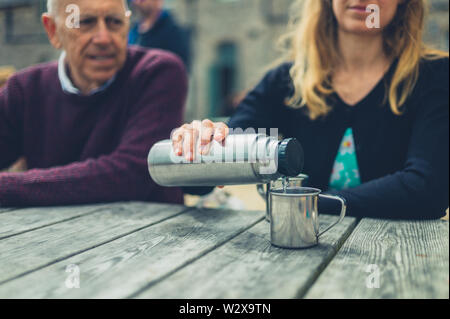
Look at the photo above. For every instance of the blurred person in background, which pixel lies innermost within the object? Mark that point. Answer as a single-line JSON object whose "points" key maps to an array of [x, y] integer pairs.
{"points": [[369, 105], [85, 124], [158, 29]]}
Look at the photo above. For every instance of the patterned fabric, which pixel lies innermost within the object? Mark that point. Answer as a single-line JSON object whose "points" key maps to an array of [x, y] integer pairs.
{"points": [[345, 171]]}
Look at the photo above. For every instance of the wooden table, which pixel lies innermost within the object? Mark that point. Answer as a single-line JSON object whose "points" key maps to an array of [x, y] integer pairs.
{"points": [[142, 250]]}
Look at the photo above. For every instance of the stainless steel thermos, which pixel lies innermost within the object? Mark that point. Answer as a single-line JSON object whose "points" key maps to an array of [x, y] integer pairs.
{"points": [[241, 159]]}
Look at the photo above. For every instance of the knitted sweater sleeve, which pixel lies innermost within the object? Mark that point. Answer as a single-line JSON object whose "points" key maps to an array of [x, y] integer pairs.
{"points": [[10, 124]]}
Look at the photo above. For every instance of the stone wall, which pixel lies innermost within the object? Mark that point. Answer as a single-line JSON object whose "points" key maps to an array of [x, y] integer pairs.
{"points": [[26, 43]]}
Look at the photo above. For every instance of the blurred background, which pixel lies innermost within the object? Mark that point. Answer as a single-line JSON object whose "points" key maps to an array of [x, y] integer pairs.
{"points": [[232, 42]]}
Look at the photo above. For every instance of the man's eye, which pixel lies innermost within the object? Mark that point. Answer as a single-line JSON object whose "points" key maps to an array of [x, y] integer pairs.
{"points": [[113, 21], [86, 22]]}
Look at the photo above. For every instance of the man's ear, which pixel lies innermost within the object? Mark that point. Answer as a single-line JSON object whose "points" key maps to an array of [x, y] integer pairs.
{"points": [[50, 27]]}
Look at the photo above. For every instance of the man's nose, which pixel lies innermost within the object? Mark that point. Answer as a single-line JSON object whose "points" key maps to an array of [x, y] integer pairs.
{"points": [[102, 34]]}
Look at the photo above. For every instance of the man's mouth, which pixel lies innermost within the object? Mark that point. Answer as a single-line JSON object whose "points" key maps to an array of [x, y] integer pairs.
{"points": [[102, 57]]}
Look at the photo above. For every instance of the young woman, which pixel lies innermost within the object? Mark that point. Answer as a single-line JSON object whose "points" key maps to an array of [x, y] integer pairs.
{"points": [[369, 105]]}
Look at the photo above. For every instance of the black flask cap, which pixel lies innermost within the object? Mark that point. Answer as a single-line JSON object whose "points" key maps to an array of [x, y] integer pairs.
{"points": [[291, 157]]}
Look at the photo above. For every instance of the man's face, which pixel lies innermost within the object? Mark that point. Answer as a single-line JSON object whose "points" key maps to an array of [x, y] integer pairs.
{"points": [[148, 7], [97, 49]]}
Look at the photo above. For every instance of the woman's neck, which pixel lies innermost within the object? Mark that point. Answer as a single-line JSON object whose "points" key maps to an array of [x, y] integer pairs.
{"points": [[363, 64], [361, 52]]}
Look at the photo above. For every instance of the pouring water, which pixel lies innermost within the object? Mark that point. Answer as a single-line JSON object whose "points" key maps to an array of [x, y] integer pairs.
{"points": [[285, 182]]}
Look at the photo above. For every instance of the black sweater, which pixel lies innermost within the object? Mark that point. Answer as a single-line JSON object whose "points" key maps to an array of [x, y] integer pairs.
{"points": [[403, 160]]}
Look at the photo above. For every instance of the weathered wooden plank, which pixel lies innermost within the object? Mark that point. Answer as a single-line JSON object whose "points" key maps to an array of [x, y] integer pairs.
{"points": [[5, 210], [249, 267], [411, 259], [33, 250], [18, 221], [127, 265]]}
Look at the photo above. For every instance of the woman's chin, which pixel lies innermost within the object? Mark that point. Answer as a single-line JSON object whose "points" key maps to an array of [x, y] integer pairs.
{"points": [[362, 30]]}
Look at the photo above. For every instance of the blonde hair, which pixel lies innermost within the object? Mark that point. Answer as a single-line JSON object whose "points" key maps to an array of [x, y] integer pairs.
{"points": [[5, 74], [311, 45]]}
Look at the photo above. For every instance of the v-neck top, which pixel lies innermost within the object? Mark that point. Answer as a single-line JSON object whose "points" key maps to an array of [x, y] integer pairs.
{"points": [[402, 160], [345, 173]]}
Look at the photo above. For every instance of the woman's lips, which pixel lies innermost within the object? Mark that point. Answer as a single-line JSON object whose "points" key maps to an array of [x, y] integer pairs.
{"points": [[360, 9]]}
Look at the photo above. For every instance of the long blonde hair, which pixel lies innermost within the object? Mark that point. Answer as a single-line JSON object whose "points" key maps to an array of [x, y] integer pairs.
{"points": [[311, 44]]}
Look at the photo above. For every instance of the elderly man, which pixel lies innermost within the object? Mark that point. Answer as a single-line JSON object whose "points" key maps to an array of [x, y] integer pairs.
{"points": [[86, 124]]}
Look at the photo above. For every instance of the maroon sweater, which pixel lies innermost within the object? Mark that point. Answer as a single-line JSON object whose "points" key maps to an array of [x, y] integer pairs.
{"points": [[89, 149]]}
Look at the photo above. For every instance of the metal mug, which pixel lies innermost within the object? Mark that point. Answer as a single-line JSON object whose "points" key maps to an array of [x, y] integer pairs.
{"points": [[292, 182], [294, 216]]}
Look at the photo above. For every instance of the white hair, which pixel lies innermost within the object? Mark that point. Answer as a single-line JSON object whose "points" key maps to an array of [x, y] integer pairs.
{"points": [[52, 6]]}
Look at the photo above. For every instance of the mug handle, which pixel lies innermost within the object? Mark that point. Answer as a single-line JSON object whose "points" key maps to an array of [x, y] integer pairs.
{"points": [[343, 211], [261, 191], [265, 196]]}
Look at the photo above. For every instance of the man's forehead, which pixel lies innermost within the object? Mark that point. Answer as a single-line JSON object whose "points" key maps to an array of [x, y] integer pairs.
{"points": [[95, 6]]}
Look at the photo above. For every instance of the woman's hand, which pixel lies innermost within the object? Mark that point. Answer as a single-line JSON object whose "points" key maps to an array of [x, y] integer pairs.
{"points": [[185, 137]]}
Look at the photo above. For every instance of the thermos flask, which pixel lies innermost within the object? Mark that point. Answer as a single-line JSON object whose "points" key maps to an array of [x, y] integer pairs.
{"points": [[240, 159]]}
